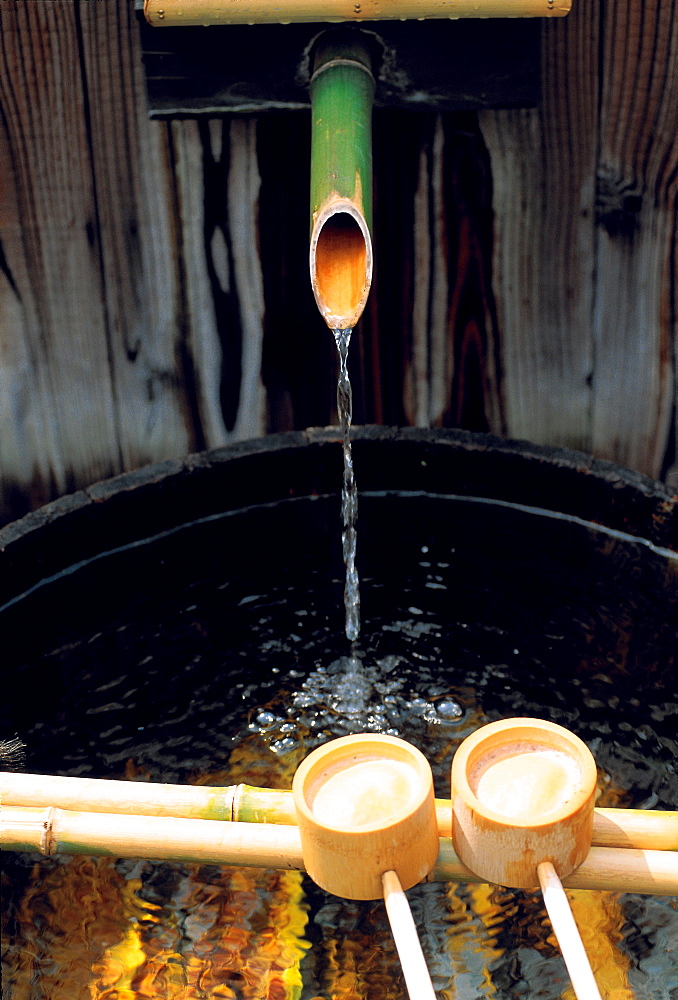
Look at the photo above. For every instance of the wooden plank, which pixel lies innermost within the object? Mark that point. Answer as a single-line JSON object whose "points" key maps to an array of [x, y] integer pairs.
{"points": [[299, 353], [454, 375], [150, 362], [218, 190], [637, 240], [244, 182], [204, 344], [148, 284], [393, 337], [58, 418], [430, 364], [543, 172]]}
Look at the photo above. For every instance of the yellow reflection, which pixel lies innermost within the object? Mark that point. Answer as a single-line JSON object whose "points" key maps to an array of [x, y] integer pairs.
{"points": [[69, 915], [87, 933], [118, 966], [471, 942], [600, 921]]}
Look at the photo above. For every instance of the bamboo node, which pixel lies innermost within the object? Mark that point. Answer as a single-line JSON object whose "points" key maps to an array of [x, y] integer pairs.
{"points": [[47, 839], [333, 63], [235, 793]]}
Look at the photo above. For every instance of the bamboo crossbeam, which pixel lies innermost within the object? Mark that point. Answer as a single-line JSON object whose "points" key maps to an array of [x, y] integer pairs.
{"points": [[172, 13], [51, 831], [642, 829]]}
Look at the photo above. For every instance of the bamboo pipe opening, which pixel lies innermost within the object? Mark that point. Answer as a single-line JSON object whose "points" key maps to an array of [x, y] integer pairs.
{"points": [[341, 264]]}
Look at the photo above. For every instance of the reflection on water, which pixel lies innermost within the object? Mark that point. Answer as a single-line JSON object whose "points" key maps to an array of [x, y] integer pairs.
{"points": [[94, 928], [251, 693], [97, 928]]}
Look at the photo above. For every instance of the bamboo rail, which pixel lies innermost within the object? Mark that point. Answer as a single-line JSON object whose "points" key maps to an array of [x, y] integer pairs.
{"points": [[53, 831], [643, 829], [340, 257], [169, 13]]}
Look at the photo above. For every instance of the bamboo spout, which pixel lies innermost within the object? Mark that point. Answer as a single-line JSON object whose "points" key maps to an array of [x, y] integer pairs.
{"points": [[342, 90], [339, 267]]}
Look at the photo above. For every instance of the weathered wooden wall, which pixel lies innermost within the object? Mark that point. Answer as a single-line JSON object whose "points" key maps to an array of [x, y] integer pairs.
{"points": [[154, 294]]}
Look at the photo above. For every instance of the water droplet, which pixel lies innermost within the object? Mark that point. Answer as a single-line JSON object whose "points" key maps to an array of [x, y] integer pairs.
{"points": [[266, 719], [449, 709]]}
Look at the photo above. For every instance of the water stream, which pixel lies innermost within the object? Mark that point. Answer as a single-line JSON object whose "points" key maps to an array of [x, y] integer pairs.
{"points": [[349, 491]]}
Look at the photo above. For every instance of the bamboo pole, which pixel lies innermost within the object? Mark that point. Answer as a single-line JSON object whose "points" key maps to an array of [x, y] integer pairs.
{"points": [[652, 829], [408, 945], [613, 869], [202, 841], [59, 831], [106, 795], [340, 256], [168, 13], [643, 829], [567, 933]]}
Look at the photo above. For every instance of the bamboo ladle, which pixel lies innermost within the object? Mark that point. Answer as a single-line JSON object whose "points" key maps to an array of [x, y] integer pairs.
{"points": [[523, 792], [367, 823]]}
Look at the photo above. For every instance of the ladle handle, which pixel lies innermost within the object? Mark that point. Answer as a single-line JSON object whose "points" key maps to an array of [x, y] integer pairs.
{"points": [[415, 971], [567, 933]]}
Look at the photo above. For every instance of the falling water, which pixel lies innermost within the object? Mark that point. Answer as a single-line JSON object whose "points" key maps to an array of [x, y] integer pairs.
{"points": [[349, 492]]}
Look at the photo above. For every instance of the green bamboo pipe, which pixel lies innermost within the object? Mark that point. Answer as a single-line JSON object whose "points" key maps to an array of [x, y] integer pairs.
{"points": [[342, 91]]}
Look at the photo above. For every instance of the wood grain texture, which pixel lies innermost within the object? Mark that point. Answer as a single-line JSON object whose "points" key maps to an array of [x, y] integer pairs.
{"points": [[636, 234], [154, 292], [96, 379], [543, 173], [586, 248], [218, 193], [58, 415], [132, 172]]}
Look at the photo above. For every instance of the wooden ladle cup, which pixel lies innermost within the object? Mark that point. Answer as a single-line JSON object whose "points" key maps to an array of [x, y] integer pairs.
{"points": [[365, 806], [523, 792]]}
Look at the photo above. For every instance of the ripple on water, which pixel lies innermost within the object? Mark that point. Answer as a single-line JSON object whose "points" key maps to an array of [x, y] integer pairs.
{"points": [[248, 710]]}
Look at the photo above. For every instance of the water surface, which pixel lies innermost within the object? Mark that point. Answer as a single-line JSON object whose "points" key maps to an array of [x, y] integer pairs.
{"points": [[212, 675]]}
